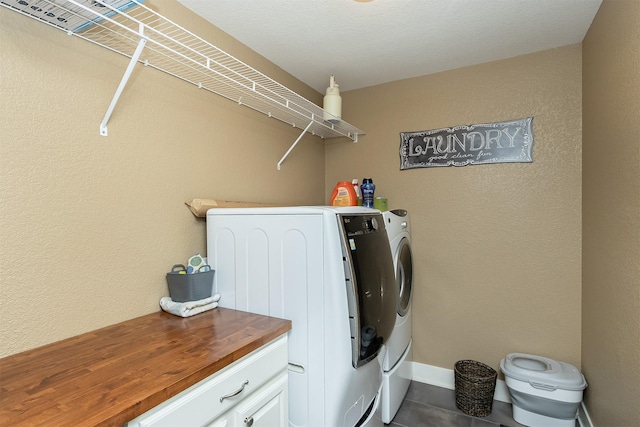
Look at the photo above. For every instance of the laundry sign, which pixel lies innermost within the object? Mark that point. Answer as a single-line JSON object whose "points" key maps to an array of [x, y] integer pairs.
{"points": [[501, 142]]}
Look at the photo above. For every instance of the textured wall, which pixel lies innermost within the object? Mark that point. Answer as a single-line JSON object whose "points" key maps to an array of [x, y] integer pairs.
{"points": [[611, 212], [496, 247], [90, 224]]}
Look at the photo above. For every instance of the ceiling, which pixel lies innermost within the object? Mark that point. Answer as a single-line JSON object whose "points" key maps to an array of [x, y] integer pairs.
{"points": [[365, 43]]}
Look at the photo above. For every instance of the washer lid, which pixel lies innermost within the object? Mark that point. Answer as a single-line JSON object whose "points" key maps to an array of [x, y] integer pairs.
{"points": [[542, 372]]}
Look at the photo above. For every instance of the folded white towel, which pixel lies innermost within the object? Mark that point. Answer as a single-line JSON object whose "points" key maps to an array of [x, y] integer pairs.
{"points": [[189, 308]]}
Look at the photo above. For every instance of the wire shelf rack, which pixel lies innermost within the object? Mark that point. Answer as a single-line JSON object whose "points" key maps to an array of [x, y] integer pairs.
{"points": [[130, 28]]}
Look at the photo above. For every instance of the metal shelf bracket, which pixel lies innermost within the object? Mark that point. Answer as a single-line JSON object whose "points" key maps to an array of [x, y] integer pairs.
{"points": [[123, 83], [294, 144]]}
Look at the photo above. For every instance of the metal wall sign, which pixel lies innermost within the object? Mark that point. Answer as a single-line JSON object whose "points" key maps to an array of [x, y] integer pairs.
{"points": [[501, 142]]}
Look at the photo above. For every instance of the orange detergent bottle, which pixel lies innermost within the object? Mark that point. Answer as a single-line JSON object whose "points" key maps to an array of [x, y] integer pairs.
{"points": [[344, 195]]}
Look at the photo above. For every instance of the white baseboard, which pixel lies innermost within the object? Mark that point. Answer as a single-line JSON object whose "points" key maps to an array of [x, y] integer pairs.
{"points": [[583, 416], [443, 377]]}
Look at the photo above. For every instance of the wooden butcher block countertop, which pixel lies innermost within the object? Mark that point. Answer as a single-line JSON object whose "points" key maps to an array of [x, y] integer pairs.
{"points": [[110, 376]]}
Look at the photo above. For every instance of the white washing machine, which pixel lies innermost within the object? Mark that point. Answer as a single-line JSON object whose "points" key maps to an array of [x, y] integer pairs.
{"points": [[396, 375], [330, 271]]}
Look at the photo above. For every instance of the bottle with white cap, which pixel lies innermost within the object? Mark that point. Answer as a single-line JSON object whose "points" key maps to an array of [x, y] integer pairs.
{"points": [[332, 103]]}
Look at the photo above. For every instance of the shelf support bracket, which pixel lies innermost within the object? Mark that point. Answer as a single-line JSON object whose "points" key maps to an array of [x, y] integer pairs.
{"points": [[123, 83], [294, 144]]}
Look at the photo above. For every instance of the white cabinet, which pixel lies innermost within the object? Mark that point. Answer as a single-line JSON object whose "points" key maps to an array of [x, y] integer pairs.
{"points": [[250, 392]]}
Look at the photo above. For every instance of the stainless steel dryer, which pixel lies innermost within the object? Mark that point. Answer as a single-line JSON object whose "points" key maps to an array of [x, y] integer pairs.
{"points": [[396, 375]]}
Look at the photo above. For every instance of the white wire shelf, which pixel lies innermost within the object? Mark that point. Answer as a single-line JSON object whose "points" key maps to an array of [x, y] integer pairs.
{"points": [[131, 29]]}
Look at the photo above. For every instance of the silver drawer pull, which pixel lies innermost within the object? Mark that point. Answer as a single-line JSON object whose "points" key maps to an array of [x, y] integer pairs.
{"points": [[248, 421], [235, 393]]}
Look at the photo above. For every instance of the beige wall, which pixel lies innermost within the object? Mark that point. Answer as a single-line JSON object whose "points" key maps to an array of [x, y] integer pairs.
{"points": [[90, 224], [611, 212], [496, 247]]}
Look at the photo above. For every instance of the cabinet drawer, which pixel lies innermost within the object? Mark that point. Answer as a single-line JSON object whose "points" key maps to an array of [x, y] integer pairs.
{"points": [[202, 402]]}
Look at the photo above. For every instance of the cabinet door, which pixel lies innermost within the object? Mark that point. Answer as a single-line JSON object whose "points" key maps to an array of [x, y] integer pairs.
{"points": [[267, 407]]}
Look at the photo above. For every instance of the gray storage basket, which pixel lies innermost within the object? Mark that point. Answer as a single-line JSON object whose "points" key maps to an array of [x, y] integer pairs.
{"points": [[189, 287]]}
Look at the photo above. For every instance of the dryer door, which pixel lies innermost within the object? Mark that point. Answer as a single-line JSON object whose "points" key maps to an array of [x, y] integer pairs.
{"points": [[404, 275], [373, 290]]}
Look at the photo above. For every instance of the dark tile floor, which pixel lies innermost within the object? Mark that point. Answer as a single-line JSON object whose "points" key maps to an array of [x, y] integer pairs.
{"points": [[427, 405]]}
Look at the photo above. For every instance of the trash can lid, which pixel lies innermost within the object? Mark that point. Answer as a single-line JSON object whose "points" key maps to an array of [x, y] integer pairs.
{"points": [[542, 371]]}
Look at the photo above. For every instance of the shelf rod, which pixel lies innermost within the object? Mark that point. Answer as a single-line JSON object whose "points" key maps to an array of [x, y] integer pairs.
{"points": [[123, 83], [294, 144]]}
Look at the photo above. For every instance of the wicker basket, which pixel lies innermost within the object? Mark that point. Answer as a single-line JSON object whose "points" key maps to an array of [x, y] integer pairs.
{"points": [[475, 385]]}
